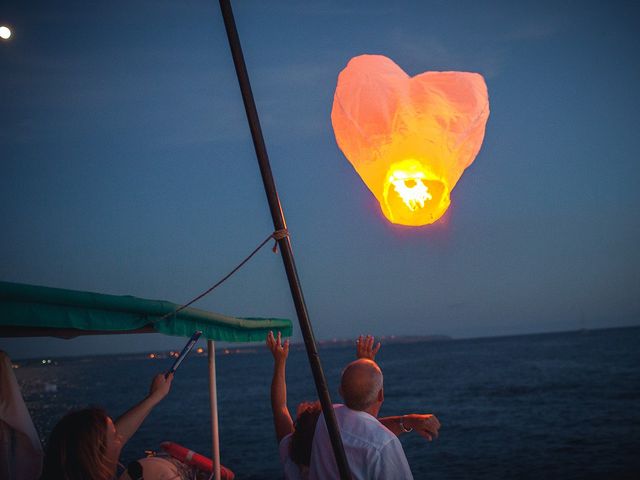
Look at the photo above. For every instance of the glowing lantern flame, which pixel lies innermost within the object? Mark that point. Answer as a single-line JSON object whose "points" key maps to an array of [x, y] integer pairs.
{"points": [[409, 138]]}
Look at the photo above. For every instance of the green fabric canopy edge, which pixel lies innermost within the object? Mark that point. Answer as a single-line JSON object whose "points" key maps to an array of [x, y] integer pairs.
{"points": [[25, 305]]}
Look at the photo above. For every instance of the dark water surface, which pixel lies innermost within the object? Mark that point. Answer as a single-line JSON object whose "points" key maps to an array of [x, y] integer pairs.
{"points": [[563, 405]]}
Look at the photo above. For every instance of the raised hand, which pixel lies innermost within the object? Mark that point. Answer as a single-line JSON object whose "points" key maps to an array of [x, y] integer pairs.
{"points": [[279, 350], [365, 348], [281, 416]]}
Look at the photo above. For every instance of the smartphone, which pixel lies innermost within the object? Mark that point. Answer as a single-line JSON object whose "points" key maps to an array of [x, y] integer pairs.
{"points": [[185, 351]]}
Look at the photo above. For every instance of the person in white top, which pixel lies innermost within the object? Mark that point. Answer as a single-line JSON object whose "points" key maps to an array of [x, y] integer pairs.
{"points": [[294, 439], [371, 444]]}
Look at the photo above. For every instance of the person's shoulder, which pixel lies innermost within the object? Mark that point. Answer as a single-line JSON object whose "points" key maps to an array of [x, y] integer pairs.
{"points": [[376, 433], [383, 434], [286, 440], [292, 471], [358, 416], [338, 408], [284, 447]]}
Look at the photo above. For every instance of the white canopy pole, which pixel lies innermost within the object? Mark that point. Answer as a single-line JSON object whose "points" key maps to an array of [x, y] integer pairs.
{"points": [[213, 398]]}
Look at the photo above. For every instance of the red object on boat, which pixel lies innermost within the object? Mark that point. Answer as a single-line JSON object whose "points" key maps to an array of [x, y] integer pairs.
{"points": [[194, 459]]}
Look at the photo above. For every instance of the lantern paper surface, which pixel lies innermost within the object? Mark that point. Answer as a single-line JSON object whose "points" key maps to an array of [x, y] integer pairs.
{"points": [[409, 138]]}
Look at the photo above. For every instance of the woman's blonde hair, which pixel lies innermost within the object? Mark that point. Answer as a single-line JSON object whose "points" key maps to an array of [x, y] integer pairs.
{"points": [[77, 448]]}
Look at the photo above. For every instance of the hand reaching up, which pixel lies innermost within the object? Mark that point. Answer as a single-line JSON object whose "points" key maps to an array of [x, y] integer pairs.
{"points": [[365, 348], [279, 350]]}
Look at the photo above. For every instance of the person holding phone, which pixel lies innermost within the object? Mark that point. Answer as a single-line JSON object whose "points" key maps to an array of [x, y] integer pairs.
{"points": [[86, 444], [183, 354]]}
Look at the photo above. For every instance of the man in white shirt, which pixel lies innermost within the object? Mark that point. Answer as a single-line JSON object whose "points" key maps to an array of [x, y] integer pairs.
{"points": [[371, 444]]}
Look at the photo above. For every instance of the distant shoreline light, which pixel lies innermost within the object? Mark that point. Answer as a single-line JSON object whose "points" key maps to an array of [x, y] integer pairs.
{"points": [[5, 32]]}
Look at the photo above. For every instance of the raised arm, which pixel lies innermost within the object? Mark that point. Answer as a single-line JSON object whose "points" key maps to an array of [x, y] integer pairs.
{"points": [[426, 425], [129, 422], [281, 416], [365, 348]]}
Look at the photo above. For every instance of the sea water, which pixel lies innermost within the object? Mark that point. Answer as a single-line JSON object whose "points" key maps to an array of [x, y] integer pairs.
{"points": [[561, 405]]}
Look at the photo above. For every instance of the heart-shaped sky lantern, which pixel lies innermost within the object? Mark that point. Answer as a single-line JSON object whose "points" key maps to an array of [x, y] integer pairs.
{"points": [[409, 138]]}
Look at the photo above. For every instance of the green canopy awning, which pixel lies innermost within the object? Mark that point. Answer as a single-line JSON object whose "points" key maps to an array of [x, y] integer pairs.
{"points": [[29, 310]]}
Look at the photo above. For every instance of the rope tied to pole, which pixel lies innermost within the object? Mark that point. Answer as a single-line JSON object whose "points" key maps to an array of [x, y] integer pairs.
{"points": [[277, 235]]}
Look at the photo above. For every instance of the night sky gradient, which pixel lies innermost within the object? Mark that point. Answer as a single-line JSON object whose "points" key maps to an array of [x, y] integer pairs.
{"points": [[126, 164]]}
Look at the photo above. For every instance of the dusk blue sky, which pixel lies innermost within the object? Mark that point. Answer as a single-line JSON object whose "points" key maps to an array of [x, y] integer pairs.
{"points": [[126, 165]]}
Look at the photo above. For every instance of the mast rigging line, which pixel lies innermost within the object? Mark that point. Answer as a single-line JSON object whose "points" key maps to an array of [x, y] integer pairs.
{"points": [[277, 235]]}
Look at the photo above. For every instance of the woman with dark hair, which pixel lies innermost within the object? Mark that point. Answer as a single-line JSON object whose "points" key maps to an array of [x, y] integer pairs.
{"points": [[303, 430], [86, 444], [294, 439]]}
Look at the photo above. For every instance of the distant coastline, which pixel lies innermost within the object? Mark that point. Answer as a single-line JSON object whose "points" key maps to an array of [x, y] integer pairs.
{"points": [[341, 342], [252, 348]]}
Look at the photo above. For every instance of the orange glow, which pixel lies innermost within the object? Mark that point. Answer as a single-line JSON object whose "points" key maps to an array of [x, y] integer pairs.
{"points": [[409, 138], [199, 350]]}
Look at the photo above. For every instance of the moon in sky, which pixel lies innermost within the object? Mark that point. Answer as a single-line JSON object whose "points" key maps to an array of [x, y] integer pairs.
{"points": [[5, 33]]}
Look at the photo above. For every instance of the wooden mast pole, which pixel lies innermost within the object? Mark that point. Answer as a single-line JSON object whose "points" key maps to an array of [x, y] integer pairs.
{"points": [[284, 243]]}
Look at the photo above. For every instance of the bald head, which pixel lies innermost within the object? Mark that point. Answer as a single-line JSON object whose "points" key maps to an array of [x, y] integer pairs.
{"points": [[361, 384]]}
